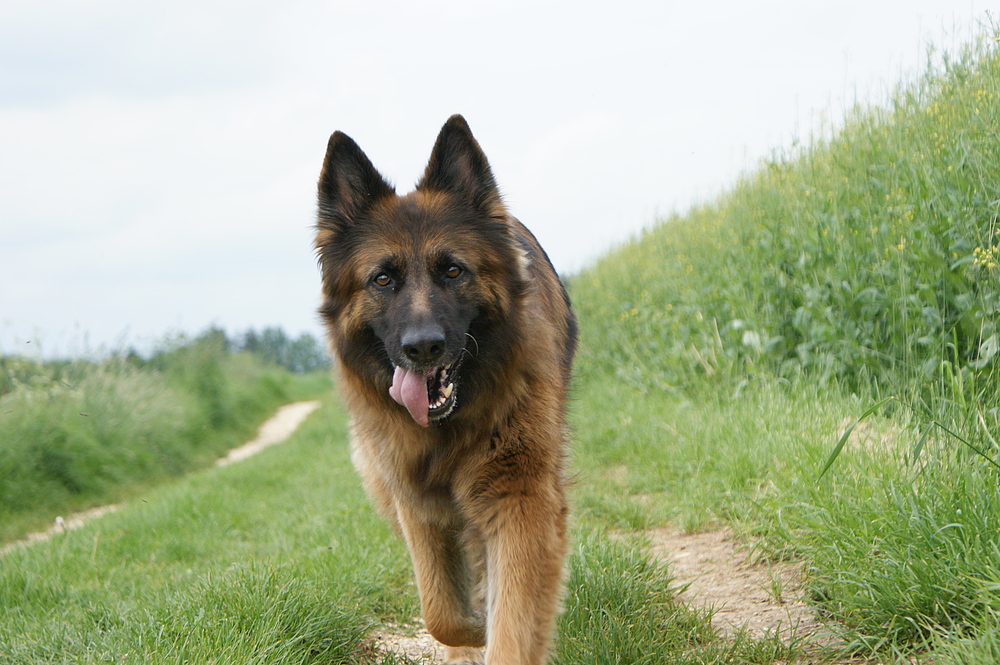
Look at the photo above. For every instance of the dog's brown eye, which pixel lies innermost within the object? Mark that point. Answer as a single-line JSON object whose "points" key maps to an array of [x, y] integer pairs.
{"points": [[453, 271], [382, 279]]}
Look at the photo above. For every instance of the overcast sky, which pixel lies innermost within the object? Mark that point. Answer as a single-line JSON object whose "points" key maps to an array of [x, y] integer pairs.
{"points": [[158, 161]]}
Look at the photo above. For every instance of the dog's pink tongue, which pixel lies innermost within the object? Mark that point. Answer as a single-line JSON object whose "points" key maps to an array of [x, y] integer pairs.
{"points": [[409, 388]]}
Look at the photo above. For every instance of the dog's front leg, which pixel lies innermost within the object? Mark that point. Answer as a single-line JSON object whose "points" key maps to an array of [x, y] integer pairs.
{"points": [[444, 581], [525, 551]]}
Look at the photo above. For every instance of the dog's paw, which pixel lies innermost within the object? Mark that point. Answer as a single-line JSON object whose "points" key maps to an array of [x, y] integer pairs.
{"points": [[463, 656]]}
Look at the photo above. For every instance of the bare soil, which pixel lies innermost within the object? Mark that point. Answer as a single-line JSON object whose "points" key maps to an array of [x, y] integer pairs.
{"points": [[412, 641], [275, 430], [716, 573]]}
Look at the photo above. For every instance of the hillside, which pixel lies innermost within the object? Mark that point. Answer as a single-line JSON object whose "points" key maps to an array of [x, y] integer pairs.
{"points": [[80, 433], [869, 258], [726, 351]]}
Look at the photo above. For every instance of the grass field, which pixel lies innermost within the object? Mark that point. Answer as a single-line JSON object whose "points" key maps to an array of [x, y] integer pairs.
{"points": [[279, 559], [724, 354]]}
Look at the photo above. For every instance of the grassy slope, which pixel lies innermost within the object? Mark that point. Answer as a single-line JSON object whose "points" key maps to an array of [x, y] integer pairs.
{"points": [[749, 333], [75, 435]]}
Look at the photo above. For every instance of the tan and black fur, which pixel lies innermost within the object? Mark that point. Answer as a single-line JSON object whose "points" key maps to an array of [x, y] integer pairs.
{"points": [[444, 283]]}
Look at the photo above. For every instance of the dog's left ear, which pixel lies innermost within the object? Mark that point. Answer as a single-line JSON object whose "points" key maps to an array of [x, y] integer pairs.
{"points": [[458, 165]]}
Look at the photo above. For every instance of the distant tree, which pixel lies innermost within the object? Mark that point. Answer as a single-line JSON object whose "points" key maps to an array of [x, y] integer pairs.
{"points": [[273, 345], [307, 355], [249, 342], [215, 337]]}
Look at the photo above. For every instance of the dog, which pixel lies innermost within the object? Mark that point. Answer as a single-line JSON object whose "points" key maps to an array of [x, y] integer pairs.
{"points": [[454, 342]]}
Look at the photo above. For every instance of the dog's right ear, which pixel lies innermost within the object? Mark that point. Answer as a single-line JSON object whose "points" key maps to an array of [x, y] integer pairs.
{"points": [[348, 184]]}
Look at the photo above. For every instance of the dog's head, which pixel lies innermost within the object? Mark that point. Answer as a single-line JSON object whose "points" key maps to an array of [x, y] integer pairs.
{"points": [[416, 288]]}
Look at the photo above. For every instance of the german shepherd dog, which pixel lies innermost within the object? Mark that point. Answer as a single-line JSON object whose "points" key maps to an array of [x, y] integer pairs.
{"points": [[454, 341]]}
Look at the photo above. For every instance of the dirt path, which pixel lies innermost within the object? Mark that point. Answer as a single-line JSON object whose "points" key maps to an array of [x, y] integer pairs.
{"points": [[275, 430], [761, 597], [278, 428], [765, 597], [412, 641]]}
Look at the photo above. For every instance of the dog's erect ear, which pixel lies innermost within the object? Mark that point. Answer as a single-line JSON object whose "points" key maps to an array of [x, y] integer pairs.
{"points": [[348, 184], [458, 165]]}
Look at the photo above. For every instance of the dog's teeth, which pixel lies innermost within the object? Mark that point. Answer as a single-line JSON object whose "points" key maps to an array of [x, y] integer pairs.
{"points": [[447, 390]]}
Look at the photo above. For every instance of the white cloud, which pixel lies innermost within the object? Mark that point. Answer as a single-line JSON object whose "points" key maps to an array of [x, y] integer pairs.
{"points": [[158, 161]]}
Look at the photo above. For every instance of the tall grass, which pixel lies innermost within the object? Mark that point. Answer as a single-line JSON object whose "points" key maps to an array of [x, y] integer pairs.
{"points": [[726, 349], [76, 434], [869, 258]]}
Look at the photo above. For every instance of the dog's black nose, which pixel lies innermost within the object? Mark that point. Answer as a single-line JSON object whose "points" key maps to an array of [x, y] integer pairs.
{"points": [[423, 347]]}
